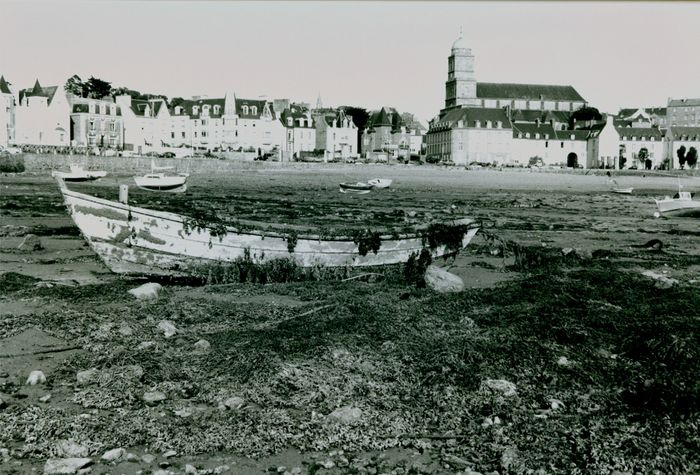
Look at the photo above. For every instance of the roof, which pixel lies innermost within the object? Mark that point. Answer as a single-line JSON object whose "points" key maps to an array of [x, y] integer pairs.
{"points": [[84, 107], [338, 116], [259, 105], [138, 106], [545, 131], [683, 102], [4, 87], [296, 112], [189, 105], [649, 110], [527, 115], [643, 133], [684, 133], [470, 115], [39, 91], [380, 119], [492, 90]]}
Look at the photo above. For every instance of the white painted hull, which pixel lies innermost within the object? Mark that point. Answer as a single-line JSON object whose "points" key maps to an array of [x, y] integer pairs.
{"points": [[380, 182], [138, 241], [173, 184], [81, 175], [622, 191], [678, 207]]}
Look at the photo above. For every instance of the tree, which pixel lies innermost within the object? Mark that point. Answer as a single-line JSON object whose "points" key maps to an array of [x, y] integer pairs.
{"points": [[74, 85], [360, 117], [692, 157], [97, 88], [681, 156], [643, 155], [176, 101], [584, 114]]}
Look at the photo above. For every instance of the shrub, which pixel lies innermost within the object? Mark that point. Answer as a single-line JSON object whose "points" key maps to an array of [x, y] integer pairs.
{"points": [[9, 164]]}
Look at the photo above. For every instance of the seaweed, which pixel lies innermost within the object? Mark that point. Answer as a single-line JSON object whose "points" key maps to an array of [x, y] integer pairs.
{"points": [[366, 241], [292, 239], [442, 234]]}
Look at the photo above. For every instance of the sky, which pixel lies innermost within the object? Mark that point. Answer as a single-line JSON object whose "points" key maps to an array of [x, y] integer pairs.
{"points": [[367, 54]]}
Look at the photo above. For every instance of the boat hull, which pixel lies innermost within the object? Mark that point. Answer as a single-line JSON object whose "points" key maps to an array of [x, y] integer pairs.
{"points": [[139, 241], [622, 191], [74, 177], [678, 207], [173, 184]]}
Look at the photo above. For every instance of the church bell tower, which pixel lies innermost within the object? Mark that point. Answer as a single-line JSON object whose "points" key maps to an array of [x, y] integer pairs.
{"points": [[460, 88]]}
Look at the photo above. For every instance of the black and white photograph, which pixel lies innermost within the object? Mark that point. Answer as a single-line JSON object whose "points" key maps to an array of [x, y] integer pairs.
{"points": [[349, 237]]}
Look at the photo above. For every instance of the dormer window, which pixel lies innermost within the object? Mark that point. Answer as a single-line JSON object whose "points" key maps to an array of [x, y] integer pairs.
{"points": [[537, 136], [254, 110], [573, 137], [477, 124], [652, 138], [195, 110], [103, 109], [178, 110], [520, 135], [546, 136], [205, 109], [634, 138], [217, 108], [290, 121], [527, 135], [113, 109], [91, 107], [245, 110], [488, 124], [499, 125]]}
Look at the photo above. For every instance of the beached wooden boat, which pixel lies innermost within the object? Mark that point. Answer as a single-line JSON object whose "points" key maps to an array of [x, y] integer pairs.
{"points": [[622, 191], [162, 182], [380, 182], [357, 188], [140, 241], [682, 204], [77, 173]]}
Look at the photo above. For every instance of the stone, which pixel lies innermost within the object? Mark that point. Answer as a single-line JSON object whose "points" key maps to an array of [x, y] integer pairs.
{"points": [[31, 242], [148, 458], [508, 458], [66, 465], [456, 462], [505, 388], [184, 412], [153, 397], [202, 346], [134, 372], [563, 361], [167, 327], [4, 454], [45, 398], [36, 377], [169, 453], [442, 281], [125, 330], [234, 403], [346, 414], [556, 404], [190, 469], [131, 457], [661, 281], [145, 345], [89, 376], [114, 455], [566, 251], [146, 291]]}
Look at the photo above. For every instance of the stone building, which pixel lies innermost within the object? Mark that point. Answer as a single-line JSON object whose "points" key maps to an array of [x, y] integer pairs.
{"points": [[336, 135], [146, 123], [199, 123], [7, 114], [300, 131], [95, 123], [42, 116], [683, 112], [386, 135]]}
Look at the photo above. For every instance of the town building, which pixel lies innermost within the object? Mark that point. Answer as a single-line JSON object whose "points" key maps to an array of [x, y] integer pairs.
{"points": [[677, 137], [683, 112], [336, 135], [95, 123], [385, 135], [146, 123], [656, 116], [198, 123], [416, 132], [42, 116], [504, 123], [300, 131], [623, 144], [7, 114], [255, 126]]}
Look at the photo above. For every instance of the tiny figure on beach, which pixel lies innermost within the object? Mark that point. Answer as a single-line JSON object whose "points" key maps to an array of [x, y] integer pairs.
{"points": [[611, 180]]}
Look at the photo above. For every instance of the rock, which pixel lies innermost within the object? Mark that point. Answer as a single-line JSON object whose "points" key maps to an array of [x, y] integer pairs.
{"points": [[661, 281], [456, 462], [442, 281], [125, 330], [508, 458], [45, 398], [233, 403], [566, 251], [3, 404], [154, 397], [190, 469], [148, 458], [388, 346], [202, 346], [563, 361], [346, 414], [146, 291], [411, 214], [66, 465], [114, 455], [131, 457], [31, 242], [467, 322], [134, 372], [89, 376], [169, 453], [556, 404], [167, 327], [4, 454], [505, 388], [145, 345], [583, 254], [184, 412], [104, 331], [36, 377]]}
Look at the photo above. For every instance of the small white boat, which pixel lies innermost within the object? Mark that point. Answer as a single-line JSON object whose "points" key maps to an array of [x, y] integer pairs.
{"points": [[158, 181], [622, 191], [380, 182], [78, 173], [357, 188], [682, 204], [139, 241]]}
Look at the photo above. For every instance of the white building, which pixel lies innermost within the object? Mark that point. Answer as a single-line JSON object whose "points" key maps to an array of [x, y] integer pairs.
{"points": [[336, 135], [42, 116], [146, 123], [300, 130], [7, 114], [677, 137]]}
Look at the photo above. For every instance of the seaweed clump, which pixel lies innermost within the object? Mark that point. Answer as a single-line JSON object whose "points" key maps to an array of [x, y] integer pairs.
{"points": [[366, 241], [448, 235], [205, 219]]}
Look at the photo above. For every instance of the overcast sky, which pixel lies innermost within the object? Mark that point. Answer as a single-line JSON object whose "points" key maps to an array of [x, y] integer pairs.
{"points": [[356, 53]]}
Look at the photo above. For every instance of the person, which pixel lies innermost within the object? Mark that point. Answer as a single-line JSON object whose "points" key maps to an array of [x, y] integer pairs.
{"points": [[611, 180]]}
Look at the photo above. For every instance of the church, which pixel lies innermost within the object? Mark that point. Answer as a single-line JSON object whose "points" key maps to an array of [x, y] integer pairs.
{"points": [[503, 123]]}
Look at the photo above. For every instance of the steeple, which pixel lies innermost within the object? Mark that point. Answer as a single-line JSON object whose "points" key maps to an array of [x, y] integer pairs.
{"points": [[319, 102], [36, 90], [4, 87], [460, 87]]}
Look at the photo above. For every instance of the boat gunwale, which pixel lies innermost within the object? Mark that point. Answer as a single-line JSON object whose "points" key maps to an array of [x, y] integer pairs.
{"points": [[177, 218]]}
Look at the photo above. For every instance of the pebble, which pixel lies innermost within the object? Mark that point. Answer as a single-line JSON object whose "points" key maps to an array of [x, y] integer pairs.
{"points": [[456, 462], [4, 454], [36, 377], [148, 458], [31, 242], [169, 453], [167, 327], [114, 455], [69, 448], [145, 345], [45, 398], [131, 457], [153, 397], [88, 376], [508, 457], [66, 465], [442, 281], [190, 469], [563, 361], [506, 388], [125, 330], [346, 414], [146, 291], [556, 404], [202, 346], [234, 403]]}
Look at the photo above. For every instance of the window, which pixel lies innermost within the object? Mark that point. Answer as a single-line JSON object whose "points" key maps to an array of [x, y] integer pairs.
{"points": [[91, 108], [205, 109], [217, 108], [103, 109], [537, 136], [254, 110], [245, 110], [178, 110], [113, 110], [92, 125], [477, 124], [527, 135], [195, 134], [520, 135], [183, 135], [499, 125], [172, 135], [204, 134], [112, 126], [289, 121], [488, 124], [572, 137], [204, 121]]}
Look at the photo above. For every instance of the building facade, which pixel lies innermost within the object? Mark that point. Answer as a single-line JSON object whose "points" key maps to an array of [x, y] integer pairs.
{"points": [[146, 123], [386, 134], [7, 114], [95, 123], [683, 112], [300, 131], [42, 116], [336, 135]]}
